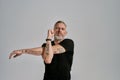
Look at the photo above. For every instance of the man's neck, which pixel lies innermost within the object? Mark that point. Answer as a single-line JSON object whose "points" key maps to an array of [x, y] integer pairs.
{"points": [[57, 41]]}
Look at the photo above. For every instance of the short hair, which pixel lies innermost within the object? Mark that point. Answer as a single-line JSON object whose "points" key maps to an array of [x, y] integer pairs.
{"points": [[60, 22]]}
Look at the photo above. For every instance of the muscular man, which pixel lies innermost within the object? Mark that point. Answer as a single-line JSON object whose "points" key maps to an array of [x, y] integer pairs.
{"points": [[57, 54]]}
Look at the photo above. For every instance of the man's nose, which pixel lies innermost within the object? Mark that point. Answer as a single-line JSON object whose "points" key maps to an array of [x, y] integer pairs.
{"points": [[59, 30]]}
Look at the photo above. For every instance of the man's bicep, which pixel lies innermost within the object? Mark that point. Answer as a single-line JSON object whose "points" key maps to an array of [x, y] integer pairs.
{"points": [[58, 49]]}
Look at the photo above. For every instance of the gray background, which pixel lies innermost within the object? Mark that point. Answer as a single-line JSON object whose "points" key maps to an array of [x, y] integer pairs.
{"points": [[93, 25]]}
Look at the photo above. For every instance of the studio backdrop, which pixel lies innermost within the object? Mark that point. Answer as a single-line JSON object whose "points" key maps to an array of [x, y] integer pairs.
{"points": [[94, 26]]}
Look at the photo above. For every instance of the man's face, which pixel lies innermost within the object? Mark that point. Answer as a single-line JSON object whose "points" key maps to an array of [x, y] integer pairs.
{"points": [[60, 31]]}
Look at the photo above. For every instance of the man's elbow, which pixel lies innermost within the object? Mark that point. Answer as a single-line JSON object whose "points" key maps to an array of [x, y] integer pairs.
{"points": [[48, 61]]}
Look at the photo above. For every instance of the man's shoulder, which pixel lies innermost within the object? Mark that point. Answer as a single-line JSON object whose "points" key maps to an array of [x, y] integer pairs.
{"points": [[68, 39]]}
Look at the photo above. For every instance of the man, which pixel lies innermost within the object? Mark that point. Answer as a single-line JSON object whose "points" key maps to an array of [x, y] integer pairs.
{"points": [[57, 54]]}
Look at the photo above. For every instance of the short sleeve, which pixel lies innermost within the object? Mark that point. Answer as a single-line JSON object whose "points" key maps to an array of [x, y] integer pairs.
{"points": [[68, 44]]}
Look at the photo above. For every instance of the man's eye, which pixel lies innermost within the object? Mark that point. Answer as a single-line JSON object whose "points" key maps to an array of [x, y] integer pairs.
{"points": [[63, 29], [56, 28]]}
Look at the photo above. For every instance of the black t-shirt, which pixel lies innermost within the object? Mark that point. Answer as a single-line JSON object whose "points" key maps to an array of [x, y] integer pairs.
{"points": [[60, 67]]}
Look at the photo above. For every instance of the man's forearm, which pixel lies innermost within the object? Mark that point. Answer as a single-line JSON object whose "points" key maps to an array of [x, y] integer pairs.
{"points": [[48, 54], [33, 51]]}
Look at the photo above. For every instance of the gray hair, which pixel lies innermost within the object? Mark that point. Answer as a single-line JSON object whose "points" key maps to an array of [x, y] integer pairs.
{"points": [[60, 22]]}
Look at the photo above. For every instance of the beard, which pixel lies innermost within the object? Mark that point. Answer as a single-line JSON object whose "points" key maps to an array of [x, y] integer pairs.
{"points": [[58, 38]]}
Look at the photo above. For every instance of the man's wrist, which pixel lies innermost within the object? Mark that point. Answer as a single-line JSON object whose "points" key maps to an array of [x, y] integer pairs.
{"points": [[48, 39], [24, 51]]}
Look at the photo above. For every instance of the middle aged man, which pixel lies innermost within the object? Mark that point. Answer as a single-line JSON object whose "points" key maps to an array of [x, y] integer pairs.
{"points": [[57, 54]]}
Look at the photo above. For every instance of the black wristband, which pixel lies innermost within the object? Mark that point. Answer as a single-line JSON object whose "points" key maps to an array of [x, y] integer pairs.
{"points": [[48, 39]]}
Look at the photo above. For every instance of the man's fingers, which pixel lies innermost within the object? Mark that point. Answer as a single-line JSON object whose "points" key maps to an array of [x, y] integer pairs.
{"points": [[14, 54], [11, 55], [52, 31]]}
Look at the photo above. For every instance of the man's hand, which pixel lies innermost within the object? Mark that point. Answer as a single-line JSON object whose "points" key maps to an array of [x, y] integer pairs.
{"points": [[50, 34], [15, 53]]}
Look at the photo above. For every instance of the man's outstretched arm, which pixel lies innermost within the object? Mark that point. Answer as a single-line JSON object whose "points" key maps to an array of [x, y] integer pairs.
{"points": [[34, 51]]}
